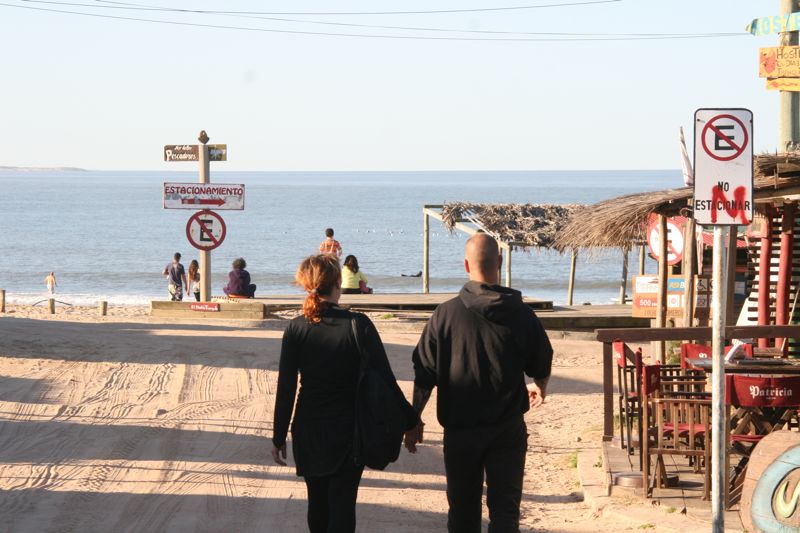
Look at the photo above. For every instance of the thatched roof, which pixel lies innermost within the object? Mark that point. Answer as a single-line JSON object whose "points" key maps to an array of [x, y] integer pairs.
{"points": [[621, 222], [521, 225]]}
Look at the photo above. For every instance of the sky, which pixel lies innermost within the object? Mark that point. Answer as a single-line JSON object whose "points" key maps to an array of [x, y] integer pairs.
{"points": [[107, 94]]}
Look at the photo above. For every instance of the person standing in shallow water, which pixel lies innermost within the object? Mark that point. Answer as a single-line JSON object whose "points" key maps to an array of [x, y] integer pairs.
{"points": [[477, 349], [50, 282], [330, 245], [320, 346]]}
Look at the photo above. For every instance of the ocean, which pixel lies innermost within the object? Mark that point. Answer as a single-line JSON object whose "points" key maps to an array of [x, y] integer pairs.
{"points": [[106, 235]]}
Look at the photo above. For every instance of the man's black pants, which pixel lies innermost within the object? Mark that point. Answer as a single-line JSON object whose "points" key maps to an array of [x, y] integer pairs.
{"points": [[332, 500], [498, 450]]}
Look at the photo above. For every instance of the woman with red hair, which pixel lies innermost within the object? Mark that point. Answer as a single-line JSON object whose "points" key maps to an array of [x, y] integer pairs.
{"points": [[321, 347]]}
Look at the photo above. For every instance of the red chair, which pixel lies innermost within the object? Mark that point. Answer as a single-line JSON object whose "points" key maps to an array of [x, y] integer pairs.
{"points": [[629, 371], [673, 425], [763, 404]]}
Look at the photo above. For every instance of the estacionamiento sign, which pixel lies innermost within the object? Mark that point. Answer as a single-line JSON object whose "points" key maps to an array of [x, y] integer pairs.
{"points": [[221, 196]]}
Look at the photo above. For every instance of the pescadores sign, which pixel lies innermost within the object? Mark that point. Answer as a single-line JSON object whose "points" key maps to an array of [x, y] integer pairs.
{"points": [[774, 24]]}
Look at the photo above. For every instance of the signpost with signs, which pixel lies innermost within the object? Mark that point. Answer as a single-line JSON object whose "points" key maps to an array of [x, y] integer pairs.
{"points": [[645, 296], [723, 196], [205, 229]]}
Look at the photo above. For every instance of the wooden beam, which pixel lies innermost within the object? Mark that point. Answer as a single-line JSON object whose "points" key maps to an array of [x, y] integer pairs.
{"points": [[701, 334], [508, 266], [608, 391], [623, 285], [731, 302], [641, 259], [426, 251], [661, 308], [571, 286], [689, 268]]}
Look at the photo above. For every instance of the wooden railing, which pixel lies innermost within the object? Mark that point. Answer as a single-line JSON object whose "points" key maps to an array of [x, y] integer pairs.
{"points": [[607, 336]]}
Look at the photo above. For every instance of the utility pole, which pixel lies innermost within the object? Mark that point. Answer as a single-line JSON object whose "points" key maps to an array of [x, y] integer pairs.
{"points": [[789, 123]]}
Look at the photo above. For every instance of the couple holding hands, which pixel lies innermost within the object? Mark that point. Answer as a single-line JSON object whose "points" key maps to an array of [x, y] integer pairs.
{"points": [[476, 348]]}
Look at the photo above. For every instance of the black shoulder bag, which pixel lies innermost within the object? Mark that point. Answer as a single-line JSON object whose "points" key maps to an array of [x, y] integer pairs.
{"points": [[380, 418]]}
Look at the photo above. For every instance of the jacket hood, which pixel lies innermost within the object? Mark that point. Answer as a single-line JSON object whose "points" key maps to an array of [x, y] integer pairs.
{"points": [[492, 301]]}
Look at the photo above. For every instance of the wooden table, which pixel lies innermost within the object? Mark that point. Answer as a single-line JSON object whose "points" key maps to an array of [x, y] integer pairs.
{"points": [[784, 367]]}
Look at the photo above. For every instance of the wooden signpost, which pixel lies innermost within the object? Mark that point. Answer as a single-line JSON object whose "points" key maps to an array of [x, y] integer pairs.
{"points": [[206, 229]]}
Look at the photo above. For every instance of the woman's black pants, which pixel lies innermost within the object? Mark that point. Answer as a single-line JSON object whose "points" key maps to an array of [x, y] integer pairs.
{"points": [[332, 500]]}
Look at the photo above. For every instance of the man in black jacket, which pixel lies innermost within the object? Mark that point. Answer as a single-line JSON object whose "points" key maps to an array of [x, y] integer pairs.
{"points": [[477, 349]]}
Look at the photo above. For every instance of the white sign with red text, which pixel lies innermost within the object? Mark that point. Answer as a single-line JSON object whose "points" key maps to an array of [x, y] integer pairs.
{"points": [[218, 196]]}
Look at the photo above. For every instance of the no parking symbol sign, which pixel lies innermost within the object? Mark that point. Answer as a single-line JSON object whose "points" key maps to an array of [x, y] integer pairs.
{"points": [[723, 166]]}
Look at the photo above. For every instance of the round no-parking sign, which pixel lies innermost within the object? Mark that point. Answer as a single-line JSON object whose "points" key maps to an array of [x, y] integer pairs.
{"points": [[205, 230]]}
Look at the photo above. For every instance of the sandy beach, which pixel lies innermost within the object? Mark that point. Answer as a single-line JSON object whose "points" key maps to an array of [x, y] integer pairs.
{"points": [[119, 424]]}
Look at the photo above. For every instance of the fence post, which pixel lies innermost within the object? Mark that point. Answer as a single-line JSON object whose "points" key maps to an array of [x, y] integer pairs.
{"points": [[2, 300], [103, 308], [51, 306]]}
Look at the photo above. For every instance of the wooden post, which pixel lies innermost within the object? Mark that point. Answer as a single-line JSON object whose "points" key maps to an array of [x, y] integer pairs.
{"points": [[426, 250], [641, 259], [608, 392], [2, 300], [661, 310], [205, 255], [730, 304], [508, 266], [571, 286], [102, 308], [51, 306], [783, 294], [689, 267], [764, 263], [624, 281]]}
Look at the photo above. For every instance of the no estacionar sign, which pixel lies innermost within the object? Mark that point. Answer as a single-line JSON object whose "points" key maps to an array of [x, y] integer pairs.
{"points": [[723, 167]]}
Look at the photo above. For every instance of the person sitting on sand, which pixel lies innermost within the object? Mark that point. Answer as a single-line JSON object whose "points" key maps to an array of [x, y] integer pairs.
{"points": [[50, 282], [239, 281], [353, 280], [330, 245]]}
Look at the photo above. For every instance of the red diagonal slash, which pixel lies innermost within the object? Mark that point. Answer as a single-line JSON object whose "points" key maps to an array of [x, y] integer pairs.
{"points": [[204, 229], [724, 137]]}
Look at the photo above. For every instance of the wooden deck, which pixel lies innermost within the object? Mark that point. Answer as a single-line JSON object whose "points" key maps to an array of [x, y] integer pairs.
{"points": [[383, 302]]}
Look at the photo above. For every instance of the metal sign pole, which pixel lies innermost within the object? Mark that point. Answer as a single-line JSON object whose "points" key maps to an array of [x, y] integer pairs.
{"points": [[205, 255], [719, 435]]}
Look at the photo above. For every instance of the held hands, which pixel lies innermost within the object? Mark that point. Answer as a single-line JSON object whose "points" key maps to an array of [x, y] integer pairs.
{"points": [[413, 437], [536, 395], [279, 454]]}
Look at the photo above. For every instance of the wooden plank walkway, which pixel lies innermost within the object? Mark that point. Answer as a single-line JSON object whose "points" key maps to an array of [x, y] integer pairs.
{"points": [[380, 302]]}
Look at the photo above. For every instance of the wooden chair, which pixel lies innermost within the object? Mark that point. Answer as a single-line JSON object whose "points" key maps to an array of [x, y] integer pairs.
{"points": [[703, 351], [756, 406], [673, 425], [629, 370]]}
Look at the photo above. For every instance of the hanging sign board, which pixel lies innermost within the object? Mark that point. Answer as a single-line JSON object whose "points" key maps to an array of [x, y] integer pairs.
{"points": [[779, 62], [774, 24], [191, 152], [205, 230], [723, 167], [221, 196], [783, 84], [674, 240]]}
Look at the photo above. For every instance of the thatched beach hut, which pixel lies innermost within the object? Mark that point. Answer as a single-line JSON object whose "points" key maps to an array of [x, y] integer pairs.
{"points": [[514, 226]]}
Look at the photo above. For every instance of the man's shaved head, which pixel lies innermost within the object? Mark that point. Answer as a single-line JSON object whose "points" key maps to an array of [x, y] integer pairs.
{"points": [[482, 256]]}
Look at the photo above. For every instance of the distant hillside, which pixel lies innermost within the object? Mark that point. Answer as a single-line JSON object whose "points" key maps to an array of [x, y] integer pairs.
{"points": [[43, 169]]}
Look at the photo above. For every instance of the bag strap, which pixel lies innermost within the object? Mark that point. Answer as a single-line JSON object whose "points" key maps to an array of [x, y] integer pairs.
{"points": [[362, 354]]}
